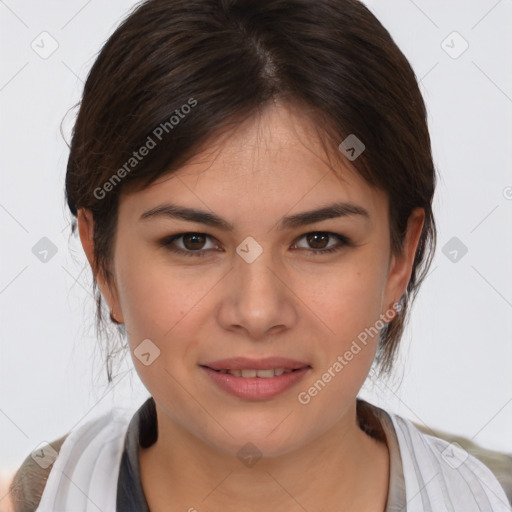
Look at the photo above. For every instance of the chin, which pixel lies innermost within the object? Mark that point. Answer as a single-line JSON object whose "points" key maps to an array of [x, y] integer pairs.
{"points": [[267, 439]]}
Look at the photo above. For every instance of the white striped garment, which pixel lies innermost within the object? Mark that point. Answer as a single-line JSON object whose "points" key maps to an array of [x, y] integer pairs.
{"points": [[437, 476]]}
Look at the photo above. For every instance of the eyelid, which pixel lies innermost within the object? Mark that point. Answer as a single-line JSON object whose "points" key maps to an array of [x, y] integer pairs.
{"points": [[343, 241], [168, 241]]}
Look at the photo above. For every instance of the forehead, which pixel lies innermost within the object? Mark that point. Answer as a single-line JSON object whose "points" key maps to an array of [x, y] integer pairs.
{"points": [[273, 162]]}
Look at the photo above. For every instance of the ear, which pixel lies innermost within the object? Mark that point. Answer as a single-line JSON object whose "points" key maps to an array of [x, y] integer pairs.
{"points": [[400, 266], [86, 230]]}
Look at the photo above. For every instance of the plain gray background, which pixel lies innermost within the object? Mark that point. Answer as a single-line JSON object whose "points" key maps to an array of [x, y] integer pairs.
{"points": [[455, 369]]}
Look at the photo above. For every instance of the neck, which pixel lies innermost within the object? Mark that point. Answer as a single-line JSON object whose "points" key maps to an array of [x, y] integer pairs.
{"points": [[343, 469]]}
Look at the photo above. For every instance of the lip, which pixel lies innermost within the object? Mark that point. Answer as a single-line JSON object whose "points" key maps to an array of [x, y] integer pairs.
{"points": [[246, 363], [255, 388]]}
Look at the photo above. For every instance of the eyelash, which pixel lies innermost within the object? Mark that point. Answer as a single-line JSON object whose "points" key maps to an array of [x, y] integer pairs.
{"points": [[167, 243]]}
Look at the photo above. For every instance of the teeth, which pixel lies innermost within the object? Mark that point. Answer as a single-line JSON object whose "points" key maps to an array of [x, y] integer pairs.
{"points": [[263, 374]]}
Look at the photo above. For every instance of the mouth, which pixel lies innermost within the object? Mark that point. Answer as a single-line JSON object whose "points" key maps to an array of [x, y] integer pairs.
{"points": [[256, 379], [250, 373], [250, 368]]}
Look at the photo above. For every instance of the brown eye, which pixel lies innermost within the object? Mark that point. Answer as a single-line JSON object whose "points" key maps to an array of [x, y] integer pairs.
{"points": [[194, 241], [317, 240], [188, 244]]}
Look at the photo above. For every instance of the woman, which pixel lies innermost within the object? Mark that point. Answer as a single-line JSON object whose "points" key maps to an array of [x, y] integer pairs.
{"points": [[253, 186]]}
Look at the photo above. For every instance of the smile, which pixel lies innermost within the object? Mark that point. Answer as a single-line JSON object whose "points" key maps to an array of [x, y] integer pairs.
{"points": [[255, 384], [263, 374]]}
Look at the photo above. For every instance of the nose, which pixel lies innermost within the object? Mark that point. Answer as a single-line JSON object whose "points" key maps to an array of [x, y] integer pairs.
{"points": [[258, 298]]}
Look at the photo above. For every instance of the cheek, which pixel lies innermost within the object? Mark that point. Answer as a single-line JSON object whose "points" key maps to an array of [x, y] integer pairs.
{"points": [[348, 299], [155, 298], [160, 306], [349, 308], [349, 304], [158, 301], [337, 299]]}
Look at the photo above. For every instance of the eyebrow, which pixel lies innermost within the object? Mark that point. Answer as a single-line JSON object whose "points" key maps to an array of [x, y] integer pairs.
{"points": [[330, 211]]}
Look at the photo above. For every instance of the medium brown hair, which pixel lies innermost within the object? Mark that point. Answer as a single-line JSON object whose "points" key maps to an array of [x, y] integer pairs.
{"points": [[331, 59]]}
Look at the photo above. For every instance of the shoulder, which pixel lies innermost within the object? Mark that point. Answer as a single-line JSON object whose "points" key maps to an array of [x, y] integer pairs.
{"points": [[442, 471], [30, 479], [35, 476], [499, 462]]}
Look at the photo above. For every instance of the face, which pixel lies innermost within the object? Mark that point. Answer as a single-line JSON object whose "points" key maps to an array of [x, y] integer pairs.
{"points": [[269, 287]]}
